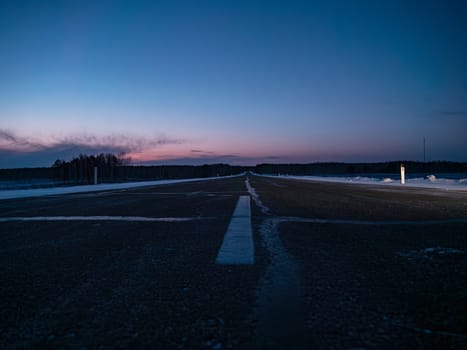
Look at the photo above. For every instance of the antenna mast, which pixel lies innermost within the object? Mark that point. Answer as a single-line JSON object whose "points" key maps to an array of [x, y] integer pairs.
{"points": [[424, 149]]}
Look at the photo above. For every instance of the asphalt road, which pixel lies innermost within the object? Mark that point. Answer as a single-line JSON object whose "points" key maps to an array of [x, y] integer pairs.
{"points": [[336, 266]]}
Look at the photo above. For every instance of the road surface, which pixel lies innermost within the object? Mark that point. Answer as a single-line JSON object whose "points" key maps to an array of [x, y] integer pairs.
{"points": [[334, 266]]}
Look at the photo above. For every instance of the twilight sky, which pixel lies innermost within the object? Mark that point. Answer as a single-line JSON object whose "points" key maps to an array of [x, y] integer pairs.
{"points": [[241, 82]]}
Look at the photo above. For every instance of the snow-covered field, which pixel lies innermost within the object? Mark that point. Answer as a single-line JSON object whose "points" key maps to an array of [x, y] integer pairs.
{"points": [[430, 181], [37, 192], [27, 184]]}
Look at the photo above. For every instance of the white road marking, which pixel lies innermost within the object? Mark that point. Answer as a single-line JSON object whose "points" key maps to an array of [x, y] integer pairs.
{"points": [[96, 218], [237, 247]]}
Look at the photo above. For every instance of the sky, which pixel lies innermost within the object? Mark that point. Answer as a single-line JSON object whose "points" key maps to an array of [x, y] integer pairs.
{"points": [[239, 82]]}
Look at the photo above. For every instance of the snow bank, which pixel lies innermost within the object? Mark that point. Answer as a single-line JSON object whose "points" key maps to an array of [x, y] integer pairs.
{"points": [[430, 181], [38, 192]]}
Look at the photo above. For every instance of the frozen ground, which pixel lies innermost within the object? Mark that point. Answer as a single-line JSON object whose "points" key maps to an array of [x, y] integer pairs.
{"points": [[430, 181], [38, 192]]}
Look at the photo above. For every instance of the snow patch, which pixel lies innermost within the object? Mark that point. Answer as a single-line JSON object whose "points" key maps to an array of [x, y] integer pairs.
{"points": [[373, 223], [96, 218], [38, 192], [430, 253], [254, 195], [429, 182]]}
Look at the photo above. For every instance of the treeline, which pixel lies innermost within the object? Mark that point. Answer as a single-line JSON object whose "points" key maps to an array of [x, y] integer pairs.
{"points": [[361, 168], [115, 168], [112, 168], [81, 169]]}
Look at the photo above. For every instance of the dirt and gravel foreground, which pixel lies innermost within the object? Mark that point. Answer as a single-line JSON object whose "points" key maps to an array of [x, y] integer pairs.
{"points": [[371, 286], [146, 285], [106, 285]]}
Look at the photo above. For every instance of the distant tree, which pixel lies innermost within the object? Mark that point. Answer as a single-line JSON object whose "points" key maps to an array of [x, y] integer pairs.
{"points": [[58, 163], [80, 169]]}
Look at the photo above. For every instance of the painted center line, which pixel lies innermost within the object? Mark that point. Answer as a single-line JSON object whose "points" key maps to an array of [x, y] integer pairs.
{"points": [[237, 247]]}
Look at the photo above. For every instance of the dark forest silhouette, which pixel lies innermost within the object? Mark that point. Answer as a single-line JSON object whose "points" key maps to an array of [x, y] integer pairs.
{"points": [[81, 169], [112, 168], [362, 168], [117, 168]]}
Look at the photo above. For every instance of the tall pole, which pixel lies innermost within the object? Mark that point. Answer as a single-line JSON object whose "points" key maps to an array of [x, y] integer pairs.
{"points": [[424, 149]]}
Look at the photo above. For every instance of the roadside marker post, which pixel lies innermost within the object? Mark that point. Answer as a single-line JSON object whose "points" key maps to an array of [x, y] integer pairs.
{"points": [[95, 175], [402, 174]]}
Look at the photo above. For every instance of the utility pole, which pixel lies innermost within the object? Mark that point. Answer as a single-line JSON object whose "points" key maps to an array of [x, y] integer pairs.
{"points": [[424, 149]]}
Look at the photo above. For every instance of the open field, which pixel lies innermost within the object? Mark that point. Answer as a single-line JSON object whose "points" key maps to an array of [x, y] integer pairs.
{"points": [[335, 266]]}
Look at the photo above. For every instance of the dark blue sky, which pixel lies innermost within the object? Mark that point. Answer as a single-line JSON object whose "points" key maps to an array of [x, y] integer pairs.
{"points": [[235, 81]]}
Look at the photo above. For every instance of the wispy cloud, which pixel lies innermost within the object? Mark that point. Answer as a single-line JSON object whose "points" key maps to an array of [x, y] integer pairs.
{"points": [[213, 158], [199, 151], [120, 143], [10, 141], [198, 160], [16, 149], [7, 136]]}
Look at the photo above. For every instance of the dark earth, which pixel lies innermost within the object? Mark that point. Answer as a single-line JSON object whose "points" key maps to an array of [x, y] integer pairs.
{"points": [[146, 285]]}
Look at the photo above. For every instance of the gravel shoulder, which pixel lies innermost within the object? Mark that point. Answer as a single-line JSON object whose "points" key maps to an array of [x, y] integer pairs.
{"points": [[357, 202], [379, 287], [374, 286], [125, 284]]}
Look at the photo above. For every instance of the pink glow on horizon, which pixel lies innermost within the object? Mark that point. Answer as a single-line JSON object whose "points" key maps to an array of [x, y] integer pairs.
{"points": [[241, 150]]}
